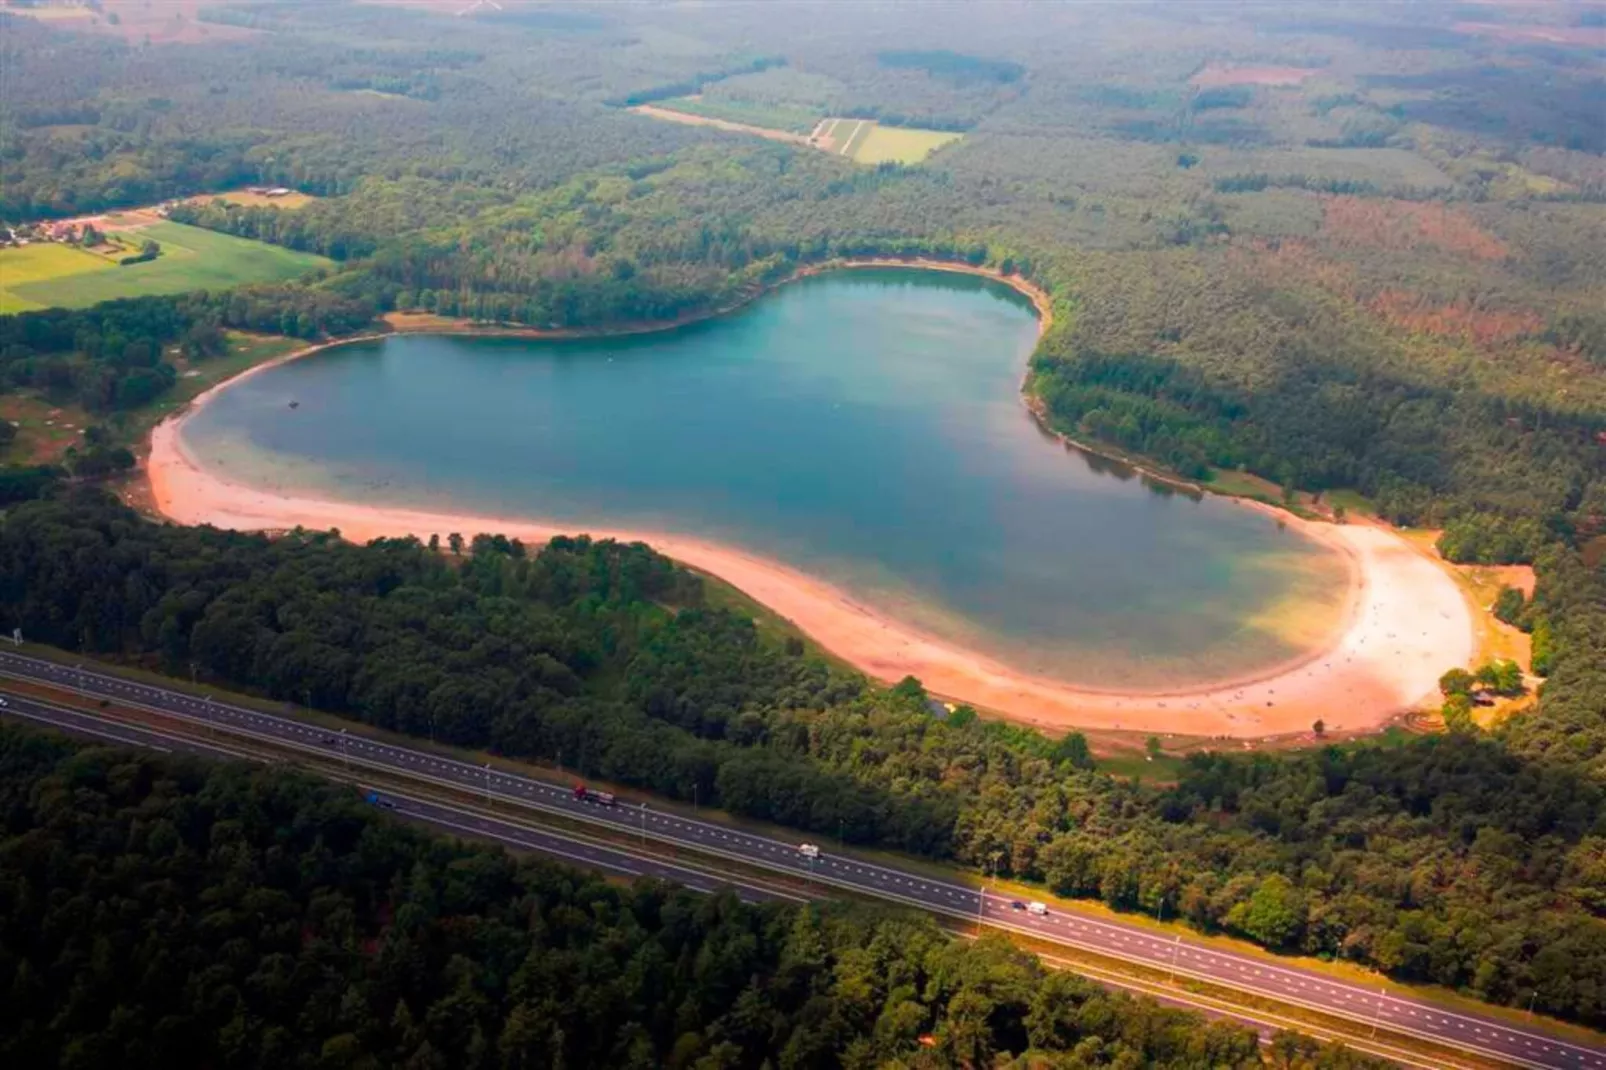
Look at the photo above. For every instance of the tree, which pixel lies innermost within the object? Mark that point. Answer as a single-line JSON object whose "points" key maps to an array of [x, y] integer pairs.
{"points": [[1274, 915], [962, 716], [911, 689], [1457, 713], [1456, 682], [1151, 747], [455, 541], [1503, 676], [1509, 605], [1319, 728], [1073, 751]]}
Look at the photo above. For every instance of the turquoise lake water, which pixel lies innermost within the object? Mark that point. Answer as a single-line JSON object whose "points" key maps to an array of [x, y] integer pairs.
{"points": [[864, 426]]}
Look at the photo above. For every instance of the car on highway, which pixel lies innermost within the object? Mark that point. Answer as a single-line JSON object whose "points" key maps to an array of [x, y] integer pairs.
{"points": [[1016, 904]]}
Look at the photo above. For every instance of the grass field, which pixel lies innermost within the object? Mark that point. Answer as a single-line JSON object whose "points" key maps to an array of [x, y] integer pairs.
{"points": [[42, 263], [850, 134], [861, 140], [257, 200], [192, 259], [874, 143], [752, 113]]}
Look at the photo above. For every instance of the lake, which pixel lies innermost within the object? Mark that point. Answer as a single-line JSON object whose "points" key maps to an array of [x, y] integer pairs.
{"points": [[863, 426]]}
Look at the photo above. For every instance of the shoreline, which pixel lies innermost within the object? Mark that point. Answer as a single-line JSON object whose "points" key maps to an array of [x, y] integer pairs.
{"points": [[451, 326], [1352, 682]]}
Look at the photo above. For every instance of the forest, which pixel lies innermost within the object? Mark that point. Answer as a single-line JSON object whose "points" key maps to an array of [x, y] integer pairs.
{"points": [[112, 356], [1467, 860], [1372, 265], [1407, 316], [160, 912]]}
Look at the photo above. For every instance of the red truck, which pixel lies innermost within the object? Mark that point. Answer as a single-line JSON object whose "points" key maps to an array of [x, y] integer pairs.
{"points": [[601, 798]]}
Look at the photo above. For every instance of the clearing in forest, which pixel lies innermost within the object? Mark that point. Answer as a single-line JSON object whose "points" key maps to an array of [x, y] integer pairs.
{"points": [[762, 114], [850, 134], [861, 140], [899, 144], [191, 259], [248, 199]]}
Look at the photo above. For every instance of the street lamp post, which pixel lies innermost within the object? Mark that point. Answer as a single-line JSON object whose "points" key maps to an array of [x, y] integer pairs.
{"points": [[487, 783], [345, 749], [644, 824], [1176, 948]]}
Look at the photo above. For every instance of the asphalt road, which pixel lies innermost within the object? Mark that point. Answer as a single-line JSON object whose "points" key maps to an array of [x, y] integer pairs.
{"points": [[1175, 954], [452, 819]]}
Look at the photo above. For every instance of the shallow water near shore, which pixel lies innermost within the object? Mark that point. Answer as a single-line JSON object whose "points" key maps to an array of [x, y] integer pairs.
{"points": [[863, 426]]}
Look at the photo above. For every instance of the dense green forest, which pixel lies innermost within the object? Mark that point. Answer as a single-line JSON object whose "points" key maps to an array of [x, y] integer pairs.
{"points": [[1464, 860], [1350, 284], [112, 356], [1383, 276], [160, 912]]}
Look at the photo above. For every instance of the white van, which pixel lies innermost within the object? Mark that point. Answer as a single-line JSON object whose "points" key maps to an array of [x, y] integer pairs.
{"points": [[1037, 908], [808, 850]]}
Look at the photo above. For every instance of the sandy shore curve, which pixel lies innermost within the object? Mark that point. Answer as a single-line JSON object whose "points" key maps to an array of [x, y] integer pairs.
{"points": [[1407, 620]]}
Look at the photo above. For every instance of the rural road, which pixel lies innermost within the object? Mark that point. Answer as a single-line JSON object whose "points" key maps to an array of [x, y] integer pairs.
{"points": [[1472, 1033]]}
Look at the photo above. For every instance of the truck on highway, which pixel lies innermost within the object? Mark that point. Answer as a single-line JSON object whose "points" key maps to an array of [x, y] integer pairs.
{"points": [[808, 850], [601, 798], [1040, 909]]}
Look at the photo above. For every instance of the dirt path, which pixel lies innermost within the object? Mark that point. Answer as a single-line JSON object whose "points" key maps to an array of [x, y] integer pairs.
{"points": [[721, 124]]}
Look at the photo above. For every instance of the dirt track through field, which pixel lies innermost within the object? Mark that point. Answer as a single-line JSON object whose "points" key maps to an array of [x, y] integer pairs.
{"points": [[719, 124]]}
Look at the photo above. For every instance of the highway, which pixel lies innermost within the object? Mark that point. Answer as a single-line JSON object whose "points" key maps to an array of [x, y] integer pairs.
{"points": [[1178, 956], [607, 857]]}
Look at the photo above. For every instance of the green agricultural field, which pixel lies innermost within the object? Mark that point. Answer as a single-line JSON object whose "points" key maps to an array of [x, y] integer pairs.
{"points": [[850, 135], [748, 112], [42, 264], [874, 143], [192, 259]]}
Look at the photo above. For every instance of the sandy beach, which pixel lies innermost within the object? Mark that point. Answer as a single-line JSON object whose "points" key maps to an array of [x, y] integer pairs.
{"points": [[1406, 620]]}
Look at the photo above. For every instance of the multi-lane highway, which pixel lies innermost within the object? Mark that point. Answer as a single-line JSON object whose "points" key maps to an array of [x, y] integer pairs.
{"points": [[582, 850], [1175, 955]]}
